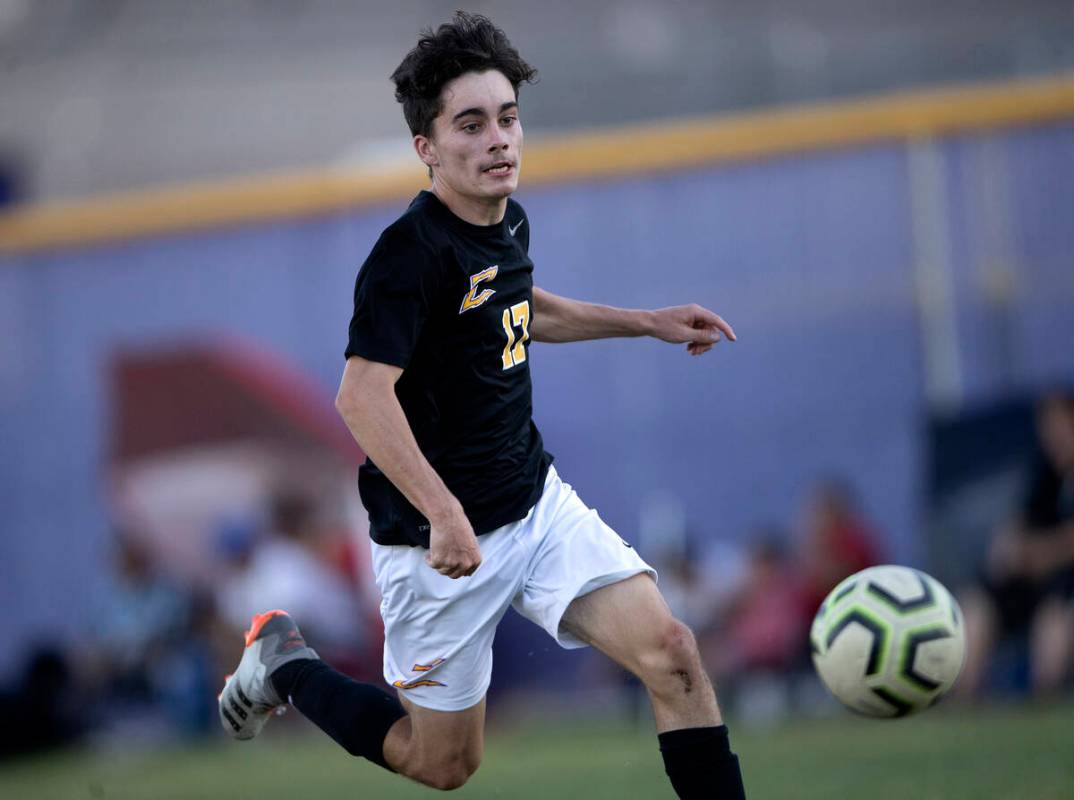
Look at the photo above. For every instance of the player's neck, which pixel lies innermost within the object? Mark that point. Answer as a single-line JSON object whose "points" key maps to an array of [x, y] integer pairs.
{"points": [[475, 210]]}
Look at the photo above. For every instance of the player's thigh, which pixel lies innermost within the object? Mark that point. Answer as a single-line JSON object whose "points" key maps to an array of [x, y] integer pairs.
{"points": [[443, 740], [575, 554], [630, 622]]}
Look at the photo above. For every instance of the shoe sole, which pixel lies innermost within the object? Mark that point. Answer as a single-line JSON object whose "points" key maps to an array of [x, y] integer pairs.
{"points": [[239, 707]]}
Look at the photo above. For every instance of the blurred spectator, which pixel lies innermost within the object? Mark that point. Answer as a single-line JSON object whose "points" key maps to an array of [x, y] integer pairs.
{"points": [[1026, 586], [142, 611], [761, 648], [146, 666], [837, 541], [42, 710], [291, 568], [699, 581], [753, 654], [764, 625]]}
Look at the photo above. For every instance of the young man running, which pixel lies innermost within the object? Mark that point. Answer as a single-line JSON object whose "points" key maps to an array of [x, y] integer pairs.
{"points": [[467, 514]]}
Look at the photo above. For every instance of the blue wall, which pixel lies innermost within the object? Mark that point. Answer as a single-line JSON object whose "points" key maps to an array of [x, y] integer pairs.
{"points": [[809, 257]]}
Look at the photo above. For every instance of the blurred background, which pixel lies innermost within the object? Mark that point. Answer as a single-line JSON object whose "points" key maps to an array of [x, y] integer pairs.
{"points": [[879, 197]]}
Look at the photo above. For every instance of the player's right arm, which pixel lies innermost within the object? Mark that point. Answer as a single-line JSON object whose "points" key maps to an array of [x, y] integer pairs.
{"points": [[368, 404]]}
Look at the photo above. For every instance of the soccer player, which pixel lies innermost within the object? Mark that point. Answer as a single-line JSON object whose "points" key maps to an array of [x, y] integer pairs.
{"points": [[467, 514]]}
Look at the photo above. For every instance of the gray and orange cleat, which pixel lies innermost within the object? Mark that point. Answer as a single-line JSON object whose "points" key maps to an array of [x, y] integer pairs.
{"points": [[248, 697]]}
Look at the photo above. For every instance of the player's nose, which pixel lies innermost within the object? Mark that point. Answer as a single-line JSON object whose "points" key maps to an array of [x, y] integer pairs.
{"points": [[498, 142]]}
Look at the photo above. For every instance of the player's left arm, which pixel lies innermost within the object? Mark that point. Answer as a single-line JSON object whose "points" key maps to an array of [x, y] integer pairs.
{"points": [[559, 319]]}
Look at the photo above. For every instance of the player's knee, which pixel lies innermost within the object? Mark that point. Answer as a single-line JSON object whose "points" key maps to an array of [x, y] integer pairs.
{"points": [[676, 645], [672, 663], [453, 777], [449, 773]]}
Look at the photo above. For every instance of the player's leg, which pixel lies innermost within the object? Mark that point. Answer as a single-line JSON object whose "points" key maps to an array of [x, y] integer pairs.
{"points": [[278, 667], [585, 585], [438, 636], [631, 624], [441, 749]]}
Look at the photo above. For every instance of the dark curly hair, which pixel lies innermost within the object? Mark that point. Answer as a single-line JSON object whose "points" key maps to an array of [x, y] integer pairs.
{"points": [[469, 43]]}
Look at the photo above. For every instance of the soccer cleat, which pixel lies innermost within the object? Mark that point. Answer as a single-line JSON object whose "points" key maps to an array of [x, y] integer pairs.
{"points": [[248, 697]]}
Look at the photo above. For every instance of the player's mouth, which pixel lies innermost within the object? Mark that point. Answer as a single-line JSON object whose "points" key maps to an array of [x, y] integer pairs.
{"points": [[499, 169]]}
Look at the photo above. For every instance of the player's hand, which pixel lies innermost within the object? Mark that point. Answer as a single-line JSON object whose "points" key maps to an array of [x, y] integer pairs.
{"points": [[692, 324], [453, 548]]}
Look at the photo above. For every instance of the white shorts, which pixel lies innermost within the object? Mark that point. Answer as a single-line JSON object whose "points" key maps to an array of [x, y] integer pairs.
{"points": [[438, 632]]}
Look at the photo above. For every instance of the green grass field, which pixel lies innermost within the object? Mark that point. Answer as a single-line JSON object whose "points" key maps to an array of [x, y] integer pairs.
{"points": [[947, 754]]}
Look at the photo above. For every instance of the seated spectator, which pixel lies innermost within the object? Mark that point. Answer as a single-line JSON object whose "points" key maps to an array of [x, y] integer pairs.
{"points": [[146, 665], [764, 625], [1026, 586], [288, 569], [754, 652], [139, 617]]}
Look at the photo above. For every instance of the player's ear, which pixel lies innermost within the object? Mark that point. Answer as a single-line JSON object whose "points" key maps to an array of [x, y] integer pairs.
{"points": [[426, 150]]}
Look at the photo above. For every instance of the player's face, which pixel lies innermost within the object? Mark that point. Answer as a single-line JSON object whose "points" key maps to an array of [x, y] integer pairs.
{"points": [[476, 147]]}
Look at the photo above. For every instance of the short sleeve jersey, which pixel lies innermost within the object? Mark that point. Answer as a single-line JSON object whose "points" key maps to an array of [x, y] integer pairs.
{"points": [[450, 303]]}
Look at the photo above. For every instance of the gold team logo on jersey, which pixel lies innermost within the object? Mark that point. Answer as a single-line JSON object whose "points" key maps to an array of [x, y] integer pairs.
{"points": [[472, 299]]}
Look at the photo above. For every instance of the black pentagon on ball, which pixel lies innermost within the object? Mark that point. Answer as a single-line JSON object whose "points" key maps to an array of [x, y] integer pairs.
{"points": [[926, 600], [907, 669], [879, 631], [902, 708]]}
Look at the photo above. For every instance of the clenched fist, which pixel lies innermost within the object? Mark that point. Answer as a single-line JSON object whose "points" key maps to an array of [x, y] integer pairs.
{"points": [[453, 548]]}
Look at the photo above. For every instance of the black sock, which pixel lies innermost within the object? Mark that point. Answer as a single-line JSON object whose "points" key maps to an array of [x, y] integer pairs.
{"points": [[357, 715], [700, 764]]}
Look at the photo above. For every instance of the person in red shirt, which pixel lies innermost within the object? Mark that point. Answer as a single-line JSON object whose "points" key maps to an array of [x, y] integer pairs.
{"points": [[837, 542]]}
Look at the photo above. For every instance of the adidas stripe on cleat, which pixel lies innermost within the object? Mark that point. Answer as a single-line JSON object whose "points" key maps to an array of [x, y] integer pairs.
{"points": [[248, 698]]}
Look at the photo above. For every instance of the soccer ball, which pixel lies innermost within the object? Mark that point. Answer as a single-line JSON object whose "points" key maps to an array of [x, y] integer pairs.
{"points": [[888, 641]]}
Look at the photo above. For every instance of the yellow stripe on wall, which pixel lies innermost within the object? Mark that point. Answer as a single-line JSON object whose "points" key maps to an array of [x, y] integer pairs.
{"points": [[617, 152]]}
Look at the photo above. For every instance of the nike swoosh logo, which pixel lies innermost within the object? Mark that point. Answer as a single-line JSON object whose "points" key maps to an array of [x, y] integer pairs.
{"points": [[516, 227]]}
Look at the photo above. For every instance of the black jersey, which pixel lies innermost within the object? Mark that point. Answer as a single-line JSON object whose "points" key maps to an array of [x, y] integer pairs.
{"points": [[451, 303]]}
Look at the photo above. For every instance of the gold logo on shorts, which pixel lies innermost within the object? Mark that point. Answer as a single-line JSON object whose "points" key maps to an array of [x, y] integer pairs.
{"points": [[416, 682]]}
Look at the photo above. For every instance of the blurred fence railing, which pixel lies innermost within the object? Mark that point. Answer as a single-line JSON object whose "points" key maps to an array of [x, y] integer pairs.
{"points": [[617, 152]]}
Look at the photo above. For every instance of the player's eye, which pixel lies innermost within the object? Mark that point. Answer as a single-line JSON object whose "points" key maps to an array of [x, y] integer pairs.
{"points": [[508, 121], [472, 127]]}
